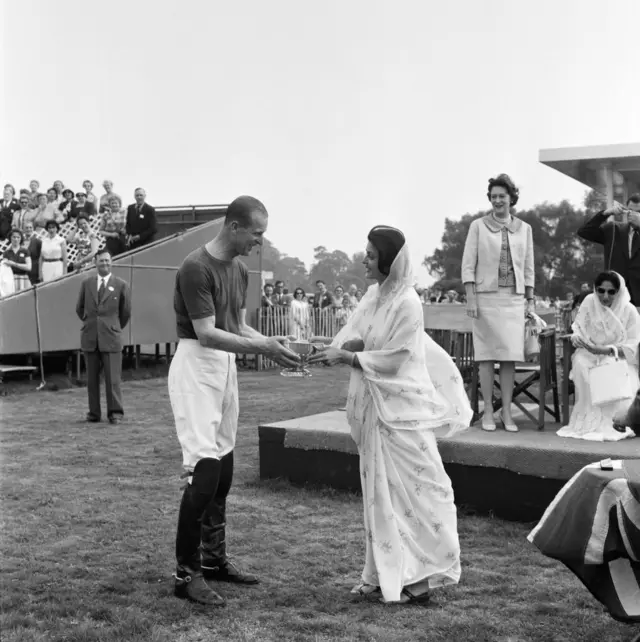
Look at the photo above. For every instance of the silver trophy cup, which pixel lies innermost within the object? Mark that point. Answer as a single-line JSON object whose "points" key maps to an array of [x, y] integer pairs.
{"points": [[304, 349]]}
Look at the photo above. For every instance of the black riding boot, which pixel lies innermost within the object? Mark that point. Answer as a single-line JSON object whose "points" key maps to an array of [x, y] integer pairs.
{"points": [[189, 581], [215, 564]]}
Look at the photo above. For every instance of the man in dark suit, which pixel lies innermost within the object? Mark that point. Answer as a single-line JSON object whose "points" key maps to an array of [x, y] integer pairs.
{"points": [[619, 231], [104, 307], [141, 225], [8, 207]]}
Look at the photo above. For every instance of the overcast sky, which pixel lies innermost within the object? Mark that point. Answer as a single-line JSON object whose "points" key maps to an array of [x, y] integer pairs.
{"points": [[338, 115]]}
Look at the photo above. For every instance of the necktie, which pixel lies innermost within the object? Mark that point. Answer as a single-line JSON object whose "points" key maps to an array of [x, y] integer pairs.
{"points": [[101, 289], [635, 242]]}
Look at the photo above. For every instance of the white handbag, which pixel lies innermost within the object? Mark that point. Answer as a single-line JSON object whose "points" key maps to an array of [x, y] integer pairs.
{"points": [[610, 381]]}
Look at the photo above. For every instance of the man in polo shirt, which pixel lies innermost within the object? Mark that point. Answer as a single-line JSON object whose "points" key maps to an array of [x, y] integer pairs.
{"points": [[210, 306]]}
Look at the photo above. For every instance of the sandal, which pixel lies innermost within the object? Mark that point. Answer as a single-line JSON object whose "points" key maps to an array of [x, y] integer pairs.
{"points": [[407, 597], [365, 590]]}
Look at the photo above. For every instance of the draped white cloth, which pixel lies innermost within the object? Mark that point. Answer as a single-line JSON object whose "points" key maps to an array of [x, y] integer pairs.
{"points": [[595, 323], [407, 387]]}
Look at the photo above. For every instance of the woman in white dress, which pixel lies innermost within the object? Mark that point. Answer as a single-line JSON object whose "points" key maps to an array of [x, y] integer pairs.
{"points": [[18, 259], [403, 386], [300, 316], [53, 255], [606, 318]]}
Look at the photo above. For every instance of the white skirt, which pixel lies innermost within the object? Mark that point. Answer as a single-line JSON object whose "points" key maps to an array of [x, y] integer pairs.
{"points": [[203, 390], [498, 332], [52, 270]]}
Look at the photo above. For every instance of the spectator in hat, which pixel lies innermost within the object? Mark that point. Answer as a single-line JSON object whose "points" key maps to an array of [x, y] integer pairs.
{"points": [[53, 253], [9, 206], [108, 193], [82, 206], [140, 227], [68, 203]]}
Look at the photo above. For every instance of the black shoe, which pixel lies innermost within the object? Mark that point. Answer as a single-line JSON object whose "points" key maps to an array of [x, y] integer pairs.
{"points": [[228, 572], [115, 419], [191, 585], [92, 418]]}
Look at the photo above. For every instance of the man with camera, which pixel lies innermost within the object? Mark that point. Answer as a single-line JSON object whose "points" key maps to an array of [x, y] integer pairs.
{"points": [[618, 229]]}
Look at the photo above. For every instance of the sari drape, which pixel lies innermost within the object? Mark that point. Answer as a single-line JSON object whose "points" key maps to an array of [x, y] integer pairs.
{"points": [[407, 386], [602, 326]]}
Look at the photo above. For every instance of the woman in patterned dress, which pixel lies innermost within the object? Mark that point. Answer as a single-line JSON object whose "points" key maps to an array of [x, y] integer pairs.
{"points": [[18, 259], [53, 253], [112, 226], [403, 386], [86, 242]]}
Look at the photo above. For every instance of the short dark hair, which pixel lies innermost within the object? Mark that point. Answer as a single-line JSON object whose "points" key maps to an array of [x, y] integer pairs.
{"points": [[634, 198], [608, 276], [503, 180], [11, 187], [241, 210], [15, 230], [319, 281], [267, 285], [301, 290], [52, 222], [102, 251], [280, 281]]}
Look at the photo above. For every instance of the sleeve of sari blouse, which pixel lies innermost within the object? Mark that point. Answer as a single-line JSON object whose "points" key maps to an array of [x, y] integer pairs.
{"points": [[399, 343]]}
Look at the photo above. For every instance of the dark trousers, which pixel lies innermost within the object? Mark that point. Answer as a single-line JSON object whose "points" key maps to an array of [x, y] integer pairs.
{"points": [[201, 536], [111, 363]]}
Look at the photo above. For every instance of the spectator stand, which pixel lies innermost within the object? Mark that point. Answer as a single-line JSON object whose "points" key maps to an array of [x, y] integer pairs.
{"points": [[65, 229]]}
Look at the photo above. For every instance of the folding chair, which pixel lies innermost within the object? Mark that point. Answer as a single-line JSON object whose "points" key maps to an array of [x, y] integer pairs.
{"points": [[545, 374]]}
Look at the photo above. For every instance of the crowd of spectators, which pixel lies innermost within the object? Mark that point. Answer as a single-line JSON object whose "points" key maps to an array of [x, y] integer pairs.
{"points": [[305, 314], [45, 234]]}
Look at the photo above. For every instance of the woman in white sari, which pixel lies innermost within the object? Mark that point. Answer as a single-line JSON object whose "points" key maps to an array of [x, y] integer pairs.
{"points": [[403, 386], [606, 318]]}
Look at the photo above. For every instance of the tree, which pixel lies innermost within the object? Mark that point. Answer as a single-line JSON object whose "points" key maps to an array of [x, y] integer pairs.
{"points": [[562, 259], [329, 267], [289, 269]]}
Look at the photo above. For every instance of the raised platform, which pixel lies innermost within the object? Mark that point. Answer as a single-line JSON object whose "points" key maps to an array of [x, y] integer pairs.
{"points": [[512, 475]]}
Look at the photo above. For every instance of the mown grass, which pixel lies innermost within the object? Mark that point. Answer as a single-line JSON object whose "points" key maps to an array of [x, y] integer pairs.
{"points": [[88, 521]]}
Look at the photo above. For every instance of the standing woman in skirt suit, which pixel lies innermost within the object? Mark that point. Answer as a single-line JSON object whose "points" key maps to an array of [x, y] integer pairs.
{"points": [[498, 274]]}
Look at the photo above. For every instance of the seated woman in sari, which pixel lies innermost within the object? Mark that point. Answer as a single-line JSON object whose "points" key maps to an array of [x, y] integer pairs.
{"points": [[606, 320], [403, 386]]}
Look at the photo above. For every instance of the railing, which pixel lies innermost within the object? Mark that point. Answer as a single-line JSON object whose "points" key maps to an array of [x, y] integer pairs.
{"points": [[284, 321]]}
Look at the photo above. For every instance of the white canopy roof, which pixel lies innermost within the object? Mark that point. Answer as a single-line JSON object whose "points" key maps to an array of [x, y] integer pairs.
{"points": [[613, 169]]}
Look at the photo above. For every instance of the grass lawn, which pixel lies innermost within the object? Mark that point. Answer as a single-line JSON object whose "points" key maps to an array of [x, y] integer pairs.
{"points": [[88, 524]]}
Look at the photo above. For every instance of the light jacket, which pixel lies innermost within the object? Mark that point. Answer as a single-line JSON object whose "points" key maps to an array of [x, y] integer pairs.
{"points": [[481, 257]]}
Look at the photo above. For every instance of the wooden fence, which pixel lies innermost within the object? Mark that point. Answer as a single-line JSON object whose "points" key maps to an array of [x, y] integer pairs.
{"points": [[281, 321]]}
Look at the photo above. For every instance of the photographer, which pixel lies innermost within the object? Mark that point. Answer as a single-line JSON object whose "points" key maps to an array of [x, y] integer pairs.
{"points": [[618, 230]]}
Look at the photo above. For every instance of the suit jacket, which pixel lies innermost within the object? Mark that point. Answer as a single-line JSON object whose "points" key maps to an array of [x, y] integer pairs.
{"points": [[481, 256], [615, 239], [143, 223], [6, 217], [104, 320]]}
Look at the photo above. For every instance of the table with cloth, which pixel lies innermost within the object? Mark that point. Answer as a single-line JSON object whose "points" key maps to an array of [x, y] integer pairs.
{"points": [[593, 527]]}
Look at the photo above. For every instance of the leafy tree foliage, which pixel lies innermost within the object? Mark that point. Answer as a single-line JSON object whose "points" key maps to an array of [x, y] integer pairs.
{"points": [[562, 260]]}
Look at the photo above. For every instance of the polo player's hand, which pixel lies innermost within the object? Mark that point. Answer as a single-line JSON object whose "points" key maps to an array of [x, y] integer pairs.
{"points": [[276, 351]]}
